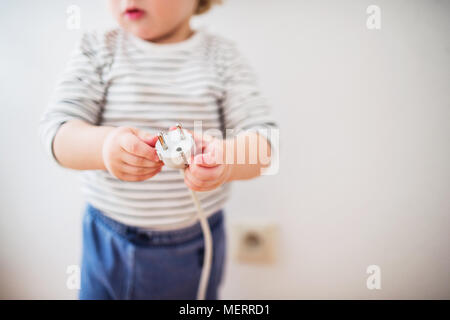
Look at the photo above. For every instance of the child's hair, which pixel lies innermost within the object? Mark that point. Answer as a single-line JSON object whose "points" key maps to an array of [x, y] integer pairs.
{"points": [[204, 5]]}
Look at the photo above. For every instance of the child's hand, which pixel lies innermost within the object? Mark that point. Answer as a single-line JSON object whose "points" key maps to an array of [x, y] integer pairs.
{"points": [[208, 170], [129, 154]]}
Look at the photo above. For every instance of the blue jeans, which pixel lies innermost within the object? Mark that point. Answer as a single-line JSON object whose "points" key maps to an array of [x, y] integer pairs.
{"points": [[123, 262]]}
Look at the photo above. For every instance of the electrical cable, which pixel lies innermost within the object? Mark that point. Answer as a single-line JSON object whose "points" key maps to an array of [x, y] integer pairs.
{"points": [[208, 252]]}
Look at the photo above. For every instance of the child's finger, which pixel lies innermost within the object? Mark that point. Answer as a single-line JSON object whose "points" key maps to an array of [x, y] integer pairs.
{"points": [[132, 144], [206, 160], [137, 171], [194, 187], [205, 173], [145, 136], [137, 161], [196, 184]]}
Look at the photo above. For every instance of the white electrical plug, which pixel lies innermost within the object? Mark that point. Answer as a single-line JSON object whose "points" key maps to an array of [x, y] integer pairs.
{"points": [[175, 148]]}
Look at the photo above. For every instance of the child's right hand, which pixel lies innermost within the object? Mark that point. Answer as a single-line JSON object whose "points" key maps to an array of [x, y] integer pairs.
{"points": [[129, 154]]}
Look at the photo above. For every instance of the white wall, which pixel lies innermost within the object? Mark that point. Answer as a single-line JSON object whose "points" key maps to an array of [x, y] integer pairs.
{"points": [[364, 176]]}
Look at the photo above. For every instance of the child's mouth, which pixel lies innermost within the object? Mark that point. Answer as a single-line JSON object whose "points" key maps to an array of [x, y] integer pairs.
{"points": [[134, 13]]}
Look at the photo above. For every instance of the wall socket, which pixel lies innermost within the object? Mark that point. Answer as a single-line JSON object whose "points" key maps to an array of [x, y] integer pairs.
{"points": [[254, 241]]}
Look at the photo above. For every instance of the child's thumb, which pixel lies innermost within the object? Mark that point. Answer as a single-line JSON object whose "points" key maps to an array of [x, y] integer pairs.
{"points": [[205, 160], [147, 137]]}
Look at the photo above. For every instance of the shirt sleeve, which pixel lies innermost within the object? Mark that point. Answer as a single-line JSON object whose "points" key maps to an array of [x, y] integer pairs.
{"points": [[244, 108], [79, 94]]}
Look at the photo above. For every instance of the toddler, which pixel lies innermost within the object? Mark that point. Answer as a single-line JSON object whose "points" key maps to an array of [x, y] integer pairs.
{"points": [[141, 236]]}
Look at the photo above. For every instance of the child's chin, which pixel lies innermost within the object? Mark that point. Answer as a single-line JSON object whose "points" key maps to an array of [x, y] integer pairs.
{"points": [[137, 28], [143, 33]]}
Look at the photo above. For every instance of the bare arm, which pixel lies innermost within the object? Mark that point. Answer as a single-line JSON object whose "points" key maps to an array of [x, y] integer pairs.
{"points": [[78, 145], [127, 153]]}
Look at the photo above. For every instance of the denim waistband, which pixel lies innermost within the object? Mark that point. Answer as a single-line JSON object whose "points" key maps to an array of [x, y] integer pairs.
{"points": [[154, 237]]}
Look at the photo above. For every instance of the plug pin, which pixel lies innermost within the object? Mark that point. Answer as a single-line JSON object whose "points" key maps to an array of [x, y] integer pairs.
{"points": [[161, 140], [183, 156], [181, 131]]}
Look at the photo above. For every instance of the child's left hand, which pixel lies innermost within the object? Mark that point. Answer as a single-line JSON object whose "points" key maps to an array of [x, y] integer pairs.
{"points": [[208, 169]]}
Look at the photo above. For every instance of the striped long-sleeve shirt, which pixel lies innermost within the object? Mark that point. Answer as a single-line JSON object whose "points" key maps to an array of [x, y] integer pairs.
{"points": [[116, 79]]}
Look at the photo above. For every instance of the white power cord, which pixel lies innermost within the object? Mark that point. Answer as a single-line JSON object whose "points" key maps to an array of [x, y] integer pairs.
{"points": [[207, 257], [174, 149]]}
